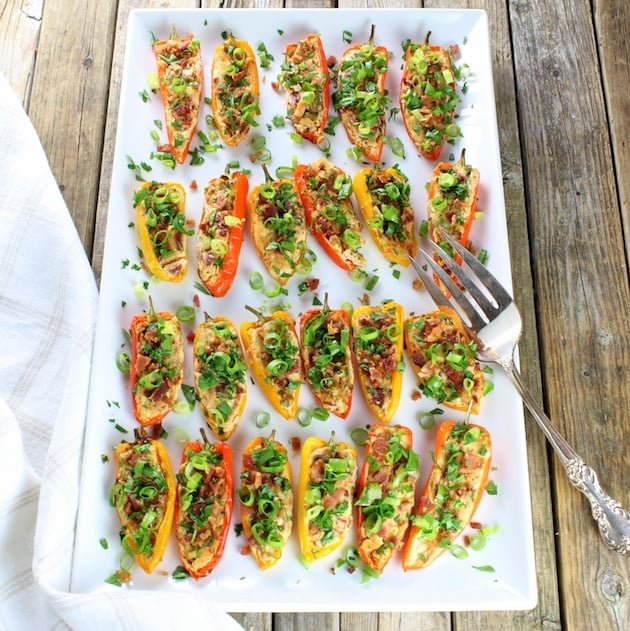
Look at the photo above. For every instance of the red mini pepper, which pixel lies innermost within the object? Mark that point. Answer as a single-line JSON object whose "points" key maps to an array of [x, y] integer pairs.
{"points": [[458, 478], [203, 511], [326, 191], [306, 80], [221, 230], [361, 99], [157, 364], [385, 493], [326, 346]]}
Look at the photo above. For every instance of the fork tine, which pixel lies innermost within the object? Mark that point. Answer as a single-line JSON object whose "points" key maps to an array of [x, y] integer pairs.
{"points": [[474, 318], [497, 290], [434, 291], [488, 308]]}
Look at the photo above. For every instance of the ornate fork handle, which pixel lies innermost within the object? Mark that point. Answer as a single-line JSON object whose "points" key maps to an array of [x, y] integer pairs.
{"points": [[613, 521]]}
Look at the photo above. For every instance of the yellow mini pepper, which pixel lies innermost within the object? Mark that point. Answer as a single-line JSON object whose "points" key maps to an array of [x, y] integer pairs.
{"points": [[162, 232], [328, 475], [378, 348]]}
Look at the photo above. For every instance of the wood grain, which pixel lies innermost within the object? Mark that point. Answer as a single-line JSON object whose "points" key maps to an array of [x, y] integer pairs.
{"points": [[582, 292], [561, 71]]}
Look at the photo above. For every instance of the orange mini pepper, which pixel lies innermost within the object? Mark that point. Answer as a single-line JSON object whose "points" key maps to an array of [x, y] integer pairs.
{"points": [[385, 493], [180, 78], [273, 352], [455, 486], [266, 499], [144, 498]]}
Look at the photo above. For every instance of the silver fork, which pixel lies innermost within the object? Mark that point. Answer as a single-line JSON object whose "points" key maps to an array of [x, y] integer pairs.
{"points": [[495, 323]]}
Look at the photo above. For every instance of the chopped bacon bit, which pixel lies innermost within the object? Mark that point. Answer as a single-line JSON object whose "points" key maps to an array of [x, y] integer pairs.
{"points": [[416, 395], [453, 50], [196, 301], [190, 336], [275, 86], [193, 185], [296, 443], [476, 525]]}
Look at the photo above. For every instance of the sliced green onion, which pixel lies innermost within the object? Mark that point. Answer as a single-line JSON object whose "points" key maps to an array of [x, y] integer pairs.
{"points": [[304, 417], [181, 435], [459, 552], [371, 283], [123, 362], [321, 414], [359, 436], [185, 313], [182, 407], [262, 419], [256, 281], [426, 421]]}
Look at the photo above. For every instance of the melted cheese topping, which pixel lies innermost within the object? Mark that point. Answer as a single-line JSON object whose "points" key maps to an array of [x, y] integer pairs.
{"points": [[443, 358]]}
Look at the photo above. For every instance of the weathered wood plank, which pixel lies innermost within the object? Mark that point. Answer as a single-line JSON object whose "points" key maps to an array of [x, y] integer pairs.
{"points": [[69, 98], [547, 612], [583, 298], [612, 23], [20, 22]]}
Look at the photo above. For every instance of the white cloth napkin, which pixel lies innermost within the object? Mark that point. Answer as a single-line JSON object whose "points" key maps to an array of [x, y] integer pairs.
{"points": [[48, 302]]}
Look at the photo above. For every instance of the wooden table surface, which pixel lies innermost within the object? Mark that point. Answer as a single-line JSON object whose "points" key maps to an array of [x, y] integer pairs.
{"points": [[561, 72]]}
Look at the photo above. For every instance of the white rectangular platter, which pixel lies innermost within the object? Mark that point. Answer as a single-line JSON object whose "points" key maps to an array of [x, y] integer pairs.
{"points": [[237, 584]]}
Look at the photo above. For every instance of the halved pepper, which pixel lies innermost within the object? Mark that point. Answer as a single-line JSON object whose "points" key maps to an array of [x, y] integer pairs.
{"points": [[272, 349], [452, 204], [442, 355], [221, 230], [378, 349], [235, 90], [328, 474], [220, 374], [361, 99], [385, 493], [157, 364], [306, 80], [278, 226], [326, 191], [326, 346], [456, 483], [144, 498], [180, 78], [266, 499], [428, 97], [161, 224], [383, 196], [203, 511]]}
